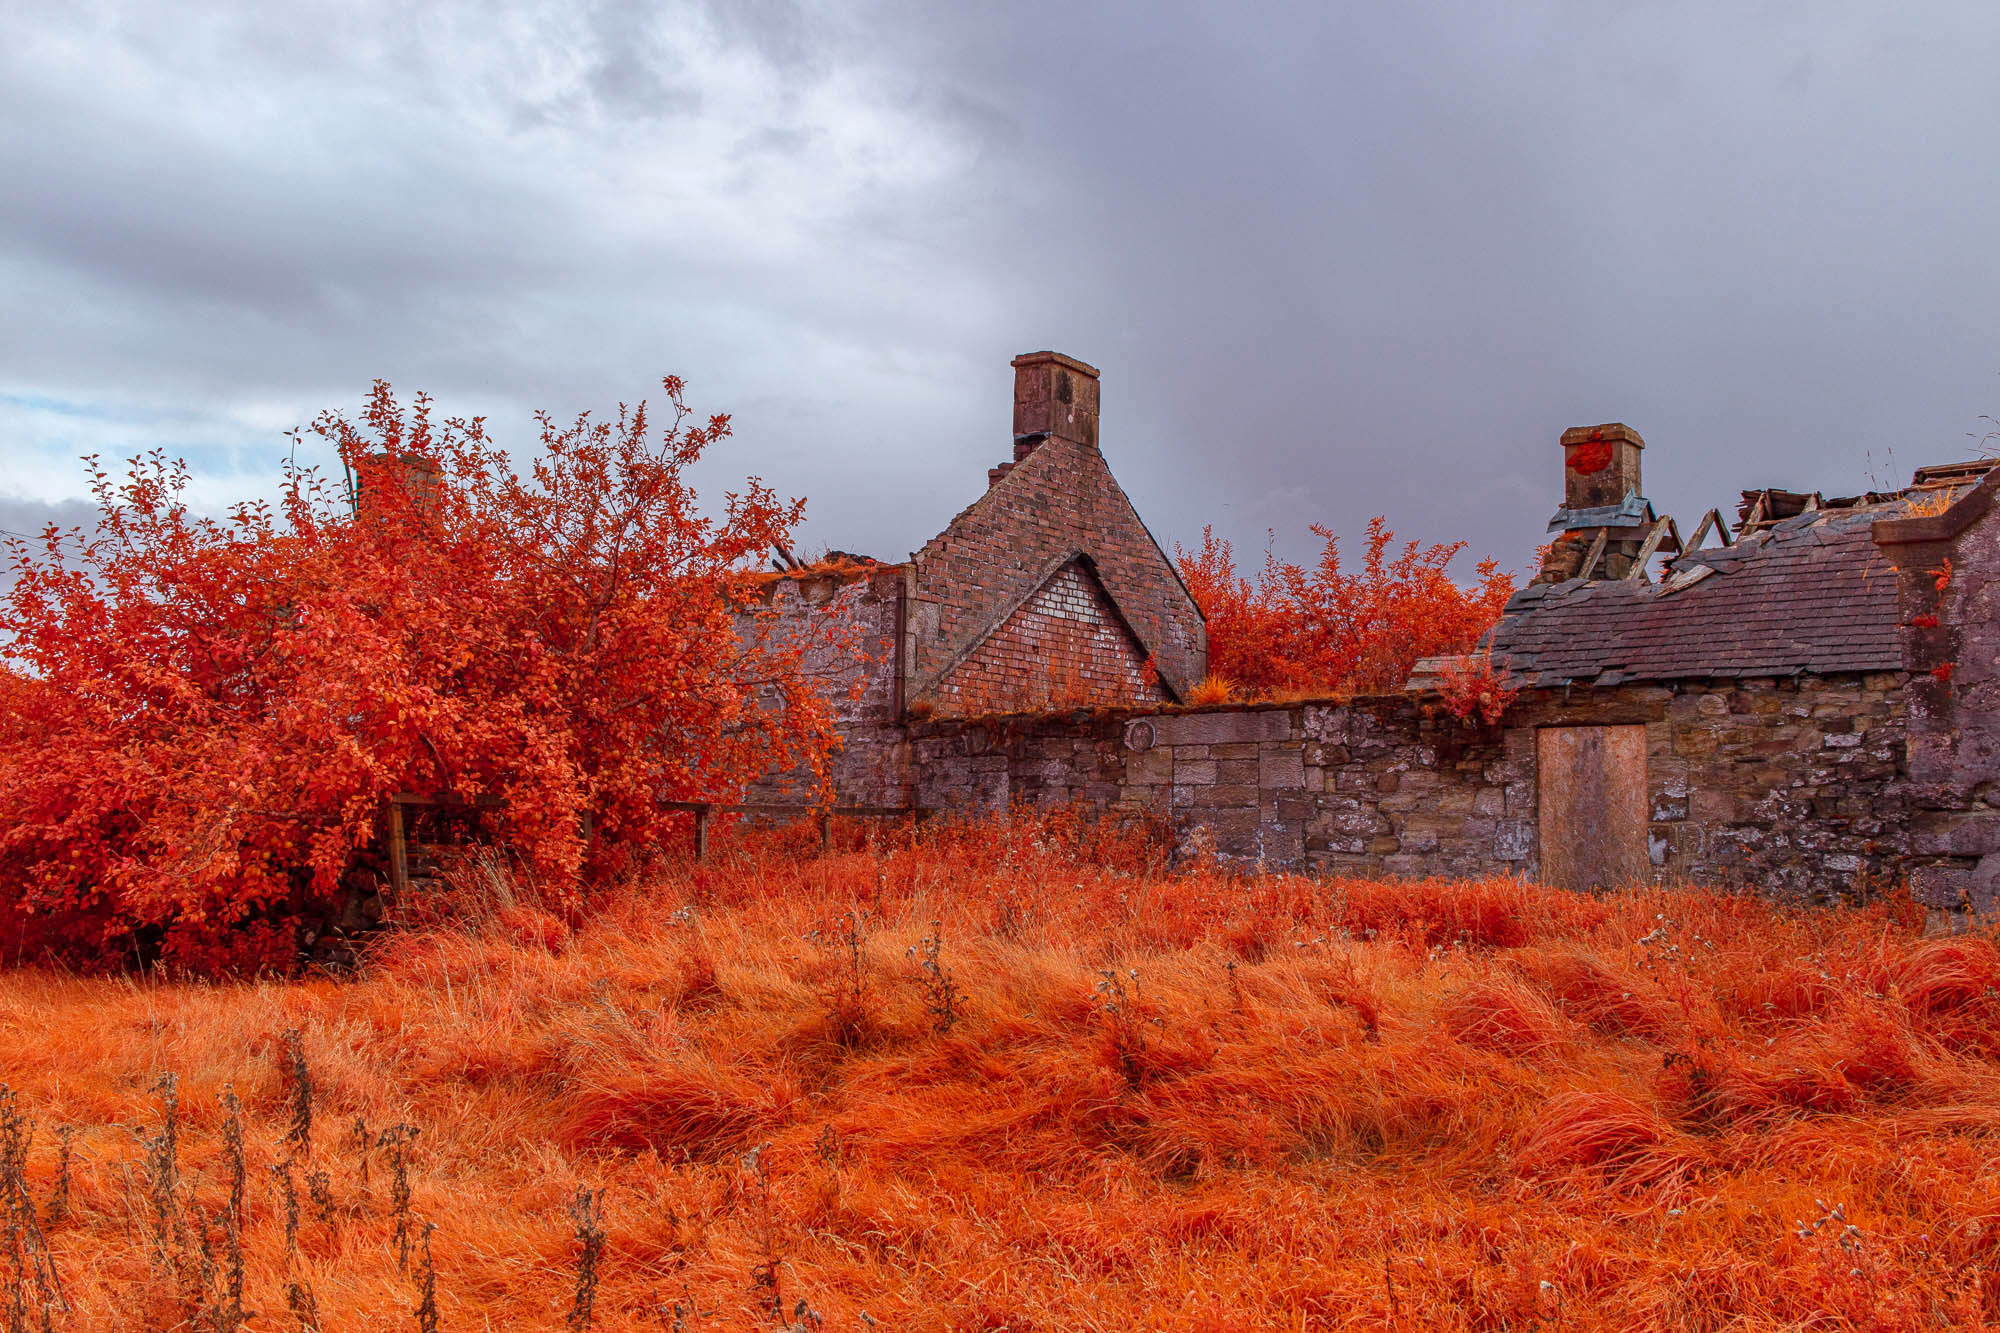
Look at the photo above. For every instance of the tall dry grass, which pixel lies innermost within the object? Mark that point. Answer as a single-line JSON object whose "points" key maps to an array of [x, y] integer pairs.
{"points": [[1023, 1078]]}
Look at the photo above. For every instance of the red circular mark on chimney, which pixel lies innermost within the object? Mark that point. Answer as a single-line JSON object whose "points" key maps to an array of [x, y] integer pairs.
{"points": [[1594, 456]]}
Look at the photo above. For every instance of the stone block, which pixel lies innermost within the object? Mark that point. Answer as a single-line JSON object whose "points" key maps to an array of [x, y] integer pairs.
{"points": [[1350, 824], [1712, 806], [1521, 800], [1235, 831], [1195, 772], [1476, 833], [1322, 723], [1434, 825], [1281, 768], [1947, 886], [1281, 844], [1236, 770], [1513, 839], [1419, 840], [1150, 767], [1224, 728], [1944, 833], [1455, 801], [1695, 743]]}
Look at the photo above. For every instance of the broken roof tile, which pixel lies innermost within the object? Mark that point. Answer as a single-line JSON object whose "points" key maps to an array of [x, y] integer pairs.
{"points": [[1811, 596]]}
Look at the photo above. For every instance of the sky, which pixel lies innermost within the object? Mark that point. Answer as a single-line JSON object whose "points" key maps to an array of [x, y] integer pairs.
{"points": [[1334, 260]]}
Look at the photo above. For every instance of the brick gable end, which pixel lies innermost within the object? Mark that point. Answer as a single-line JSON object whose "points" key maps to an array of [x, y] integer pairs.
{"points": [[1058, 501], [1065, 647]]}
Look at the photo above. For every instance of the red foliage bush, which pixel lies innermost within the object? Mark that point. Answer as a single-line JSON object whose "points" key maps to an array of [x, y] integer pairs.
{"points": [[1326, 630], [203, 716]]}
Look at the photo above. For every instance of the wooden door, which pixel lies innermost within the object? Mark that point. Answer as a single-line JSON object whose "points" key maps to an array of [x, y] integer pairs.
{"points": [[1591, 784]]}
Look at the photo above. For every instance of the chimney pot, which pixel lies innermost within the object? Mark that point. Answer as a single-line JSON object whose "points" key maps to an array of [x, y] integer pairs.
{"points": [[1054, 395]]}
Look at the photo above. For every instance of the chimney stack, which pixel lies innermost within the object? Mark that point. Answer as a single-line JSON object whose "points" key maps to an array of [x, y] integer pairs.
{"points": [[1600, 465], [1605, 517], [1054, 395]]}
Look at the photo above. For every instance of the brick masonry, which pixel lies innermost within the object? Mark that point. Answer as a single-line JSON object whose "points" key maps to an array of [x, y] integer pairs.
{"points": [[1057, 502], [1065, 647], [852, 625]]}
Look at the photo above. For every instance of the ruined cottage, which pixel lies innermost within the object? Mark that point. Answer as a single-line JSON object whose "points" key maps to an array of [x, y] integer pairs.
{"points": [[1808, 704], [1046, 593]]}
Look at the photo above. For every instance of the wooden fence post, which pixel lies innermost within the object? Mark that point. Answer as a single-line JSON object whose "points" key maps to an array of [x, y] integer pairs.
{"points": [[701, 833], [825, 832], [399, 852]]}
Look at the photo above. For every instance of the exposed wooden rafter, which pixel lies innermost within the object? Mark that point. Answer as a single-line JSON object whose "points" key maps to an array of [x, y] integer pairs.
{"points": [[1712, 519], [1596, 553], [1661, 531]]}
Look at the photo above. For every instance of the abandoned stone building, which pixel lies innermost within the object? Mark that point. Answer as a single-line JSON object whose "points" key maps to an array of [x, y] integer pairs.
{"points": [[1047, 592], [1810, 705]]}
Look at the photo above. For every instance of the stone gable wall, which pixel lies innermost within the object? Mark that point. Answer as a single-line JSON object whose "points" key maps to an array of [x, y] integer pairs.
{"points": [[1064, 647], [1058, 500], [1951, 643], [1790, 787]]}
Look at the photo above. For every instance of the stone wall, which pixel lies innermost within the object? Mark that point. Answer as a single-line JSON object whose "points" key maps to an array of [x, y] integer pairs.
{"points": [[1948, 573], [1793, 787], [851, 623]]}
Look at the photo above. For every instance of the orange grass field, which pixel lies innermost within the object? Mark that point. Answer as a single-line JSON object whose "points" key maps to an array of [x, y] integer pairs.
{"points": [[1095, 1095]]}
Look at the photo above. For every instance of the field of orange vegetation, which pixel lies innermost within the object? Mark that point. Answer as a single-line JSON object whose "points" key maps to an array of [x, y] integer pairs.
{"points": [[1022, 1079]]}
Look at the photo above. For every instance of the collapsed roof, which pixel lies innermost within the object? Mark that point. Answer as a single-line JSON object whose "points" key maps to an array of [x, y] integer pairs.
{"points": [[1802, 589]]}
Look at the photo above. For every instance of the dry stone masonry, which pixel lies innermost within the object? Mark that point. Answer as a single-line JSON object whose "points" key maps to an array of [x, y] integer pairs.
{"points": [[1791, 786]]}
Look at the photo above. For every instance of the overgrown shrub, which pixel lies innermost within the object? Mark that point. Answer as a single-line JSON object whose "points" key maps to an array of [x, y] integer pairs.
{"points": [[200, 717]]}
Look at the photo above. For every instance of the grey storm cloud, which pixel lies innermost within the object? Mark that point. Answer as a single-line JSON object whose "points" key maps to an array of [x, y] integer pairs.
{"points": [[1334, 260]]}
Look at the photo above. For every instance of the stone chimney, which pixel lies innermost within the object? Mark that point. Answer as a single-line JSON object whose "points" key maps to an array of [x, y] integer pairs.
{"points": [[1605, 518], [1600, 465]]}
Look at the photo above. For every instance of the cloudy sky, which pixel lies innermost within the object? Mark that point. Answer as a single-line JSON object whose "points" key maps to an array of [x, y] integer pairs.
{"points": [[1334, 259]]}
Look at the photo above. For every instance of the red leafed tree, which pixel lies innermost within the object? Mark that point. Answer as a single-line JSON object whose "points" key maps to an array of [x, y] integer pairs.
{"points": [[203, 716], [1326, 630]]}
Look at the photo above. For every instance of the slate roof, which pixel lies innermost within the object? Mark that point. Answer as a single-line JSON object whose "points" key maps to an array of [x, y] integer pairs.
{"points": [[1811, 594]]}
